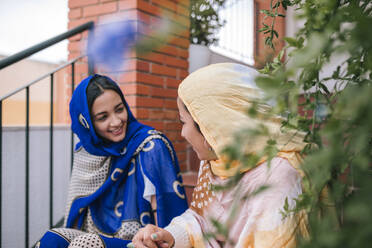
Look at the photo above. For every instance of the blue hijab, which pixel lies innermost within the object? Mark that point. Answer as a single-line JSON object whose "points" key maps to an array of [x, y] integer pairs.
{"points": [[82, 126], [130, 188]]}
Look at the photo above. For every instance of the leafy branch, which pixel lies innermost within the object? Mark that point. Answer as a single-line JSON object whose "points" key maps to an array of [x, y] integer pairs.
{"points": [[327, 72], [273, 12]]}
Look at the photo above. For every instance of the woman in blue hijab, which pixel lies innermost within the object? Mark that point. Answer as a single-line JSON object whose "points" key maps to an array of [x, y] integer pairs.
{"points": [[125, 174]]}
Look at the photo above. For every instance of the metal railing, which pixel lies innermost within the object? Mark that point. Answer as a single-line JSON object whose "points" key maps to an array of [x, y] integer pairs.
{"points": [[11, 60]]}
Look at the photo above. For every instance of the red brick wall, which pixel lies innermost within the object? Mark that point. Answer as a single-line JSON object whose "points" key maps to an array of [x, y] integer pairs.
{"points": [[262, 53], [149, 81]]}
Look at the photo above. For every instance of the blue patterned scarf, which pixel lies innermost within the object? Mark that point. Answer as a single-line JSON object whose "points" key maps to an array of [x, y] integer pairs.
{"points": [[131, 188]]}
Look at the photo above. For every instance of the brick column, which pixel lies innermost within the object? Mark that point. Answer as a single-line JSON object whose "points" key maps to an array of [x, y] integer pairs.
{"points": [[148, 81], [263, 53]]}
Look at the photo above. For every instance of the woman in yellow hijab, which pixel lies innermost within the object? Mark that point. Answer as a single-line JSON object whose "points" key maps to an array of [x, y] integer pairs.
{"points": [[213, 103]]}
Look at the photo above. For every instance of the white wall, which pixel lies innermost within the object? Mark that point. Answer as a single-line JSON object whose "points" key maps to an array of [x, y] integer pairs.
{"points": [[13, 182], [292, 26], [219, 58], [201, 56]]}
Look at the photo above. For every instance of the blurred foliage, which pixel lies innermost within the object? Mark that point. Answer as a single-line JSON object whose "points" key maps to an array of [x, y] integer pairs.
{"points": [[322, 83], [205, 21]]}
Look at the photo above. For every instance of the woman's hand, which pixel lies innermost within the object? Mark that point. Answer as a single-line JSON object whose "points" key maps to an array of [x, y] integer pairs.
{"points": [[152, 237]]}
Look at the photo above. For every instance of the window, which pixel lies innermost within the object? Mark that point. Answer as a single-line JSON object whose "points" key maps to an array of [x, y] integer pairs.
{"points": [[236, 37]]}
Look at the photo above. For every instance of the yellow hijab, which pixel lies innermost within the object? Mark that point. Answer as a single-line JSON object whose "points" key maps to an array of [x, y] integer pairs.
{"points": [[217, 97]]}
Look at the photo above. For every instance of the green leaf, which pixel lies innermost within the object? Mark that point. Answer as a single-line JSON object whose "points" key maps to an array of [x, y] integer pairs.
{"points": [[263, 29], [291, 41], [286, 205], [275, 33]]}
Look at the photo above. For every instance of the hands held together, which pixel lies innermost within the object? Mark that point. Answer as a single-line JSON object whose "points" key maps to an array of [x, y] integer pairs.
{"points": [[152, 237]]}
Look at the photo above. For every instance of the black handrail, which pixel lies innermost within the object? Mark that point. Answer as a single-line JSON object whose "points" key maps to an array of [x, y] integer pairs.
{"points": [[27, 145], [1, 165], [13, 59], [51, 152], [27, 168], [40, 78], [37, 48], [72, 134]]}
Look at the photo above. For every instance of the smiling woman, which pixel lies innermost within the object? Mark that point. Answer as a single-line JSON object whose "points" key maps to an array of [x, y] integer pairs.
{"points": [[125, 174], [108, 111]]}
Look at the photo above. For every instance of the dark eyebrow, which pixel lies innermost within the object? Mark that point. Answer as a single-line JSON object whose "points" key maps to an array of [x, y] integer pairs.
{"points": [[100, 113], [104, 112], [119, 105]]}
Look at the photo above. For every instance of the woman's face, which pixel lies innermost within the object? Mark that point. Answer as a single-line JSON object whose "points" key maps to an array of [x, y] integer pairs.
{"points": [[193, 136], [110, 116]]}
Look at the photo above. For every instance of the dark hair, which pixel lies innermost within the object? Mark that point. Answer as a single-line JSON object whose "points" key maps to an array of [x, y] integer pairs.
{"points": [[196, 124], [97, 85]]}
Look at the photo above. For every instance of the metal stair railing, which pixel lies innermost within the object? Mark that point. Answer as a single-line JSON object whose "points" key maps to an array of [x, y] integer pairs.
{"points": [[11, 60]]}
